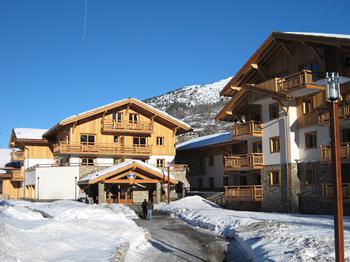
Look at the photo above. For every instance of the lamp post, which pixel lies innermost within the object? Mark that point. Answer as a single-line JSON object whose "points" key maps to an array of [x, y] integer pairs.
{"points": [[333, 95]]}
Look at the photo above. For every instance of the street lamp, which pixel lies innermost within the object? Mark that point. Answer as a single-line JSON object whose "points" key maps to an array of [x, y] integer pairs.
{"points": [[332, 96]]}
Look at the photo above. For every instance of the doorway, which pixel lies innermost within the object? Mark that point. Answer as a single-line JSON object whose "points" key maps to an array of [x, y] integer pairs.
{"points": [[125, 194]]}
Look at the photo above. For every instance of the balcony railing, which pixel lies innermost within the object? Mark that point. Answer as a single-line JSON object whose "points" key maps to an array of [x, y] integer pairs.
{"points": [[327, 191], [17, 175], [109, 125], [247, 161], [101, 149], [244, 193], [293, 81], [17, 155], [344, 112], [326, 152], [173, 167], [250, 128]]}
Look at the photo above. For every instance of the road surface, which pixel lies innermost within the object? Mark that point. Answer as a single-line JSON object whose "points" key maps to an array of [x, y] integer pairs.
{"points": [[174, 240]]}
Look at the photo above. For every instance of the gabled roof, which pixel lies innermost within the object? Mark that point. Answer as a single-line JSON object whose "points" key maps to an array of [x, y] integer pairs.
{"points": [[204, 141], [272, 42], [128, 164], [182, 126], [34, 135]]}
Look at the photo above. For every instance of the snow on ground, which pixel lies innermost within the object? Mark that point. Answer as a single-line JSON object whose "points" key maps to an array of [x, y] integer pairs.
{"points": [[271, 236], [67, 231]]}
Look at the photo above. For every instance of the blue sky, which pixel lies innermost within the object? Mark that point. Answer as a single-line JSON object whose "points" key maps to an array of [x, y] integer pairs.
{"points": [[50, 70]]}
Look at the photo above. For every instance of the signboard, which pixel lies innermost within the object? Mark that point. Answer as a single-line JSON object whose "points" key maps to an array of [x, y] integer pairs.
{"points": [[131, 176]]}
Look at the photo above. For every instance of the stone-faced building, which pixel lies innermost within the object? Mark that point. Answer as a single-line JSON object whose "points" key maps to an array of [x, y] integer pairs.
{"points": [[279, 113]]}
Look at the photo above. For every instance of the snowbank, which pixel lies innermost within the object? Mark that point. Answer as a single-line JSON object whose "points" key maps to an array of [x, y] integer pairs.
{"points": [[66, 231], [271, 236]]}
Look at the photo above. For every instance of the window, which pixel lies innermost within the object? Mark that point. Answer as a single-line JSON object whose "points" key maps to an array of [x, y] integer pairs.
{"points": [[200, 182], [87, 161], [117, 161], [118, 116], [308, 105], [116, 139], [274, 111], [160, 162], [311, 140], [87, 139], [243, 180], [226, 180], [210, 160], [160, 141], [257, 147], [309, 176], [211, 183], [274, 178], [133, 118], [274, 144], [1, 191], [347, 61], [139, 141]]}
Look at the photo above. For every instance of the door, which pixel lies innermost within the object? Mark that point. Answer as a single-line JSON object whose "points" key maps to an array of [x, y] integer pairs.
{"points": [[125, 194]]}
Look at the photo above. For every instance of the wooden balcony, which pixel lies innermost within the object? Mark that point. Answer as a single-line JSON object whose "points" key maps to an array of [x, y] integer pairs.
{"points": [[174, 167], [327, 191], [244, 162], [66, 148], [245, 130], [17, 175], [326, 153], [108, 125], [244, 193], [344, 113], [18, 155], [303, 79]]}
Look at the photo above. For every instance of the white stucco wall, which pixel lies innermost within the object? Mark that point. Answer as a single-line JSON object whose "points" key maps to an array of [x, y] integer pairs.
{"points": [[313, 154], [153, 159], [216, 171], [54, 182], [37, 161]]}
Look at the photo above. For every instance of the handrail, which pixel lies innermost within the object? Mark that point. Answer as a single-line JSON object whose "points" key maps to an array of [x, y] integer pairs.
{"points": [[244, 192], [327, 191], [344, 112], [67, 147], [249, 128], [252, 160], [326, 152], [109, 124]]}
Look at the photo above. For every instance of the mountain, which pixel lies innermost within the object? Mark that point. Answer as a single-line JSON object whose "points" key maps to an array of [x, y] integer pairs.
{"points": [[196, 105]]}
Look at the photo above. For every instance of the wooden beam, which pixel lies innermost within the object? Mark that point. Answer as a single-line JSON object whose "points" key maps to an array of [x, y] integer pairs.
{"points": [[135, 181], [285, 48], [270, 93], [314, 51], [254, 66], [235, 88]]}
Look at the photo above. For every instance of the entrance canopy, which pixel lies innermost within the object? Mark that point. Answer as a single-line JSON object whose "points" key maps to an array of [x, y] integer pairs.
{"points": [[128, 172]]}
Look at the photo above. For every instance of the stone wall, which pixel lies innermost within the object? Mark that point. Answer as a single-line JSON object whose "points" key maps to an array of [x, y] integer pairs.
{"points": [[139, 195], [275, 198]]}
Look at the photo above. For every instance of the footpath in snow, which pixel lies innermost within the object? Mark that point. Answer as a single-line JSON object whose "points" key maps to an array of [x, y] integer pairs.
{"points": [[68, 231], [270, 236]]}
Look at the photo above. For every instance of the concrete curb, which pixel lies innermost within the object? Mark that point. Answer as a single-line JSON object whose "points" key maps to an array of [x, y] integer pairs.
{"points": [[120, 253]]}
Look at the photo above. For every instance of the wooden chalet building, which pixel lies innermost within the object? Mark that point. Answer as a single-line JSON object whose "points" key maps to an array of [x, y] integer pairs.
{"points": [[102, 139], [280, 124]]}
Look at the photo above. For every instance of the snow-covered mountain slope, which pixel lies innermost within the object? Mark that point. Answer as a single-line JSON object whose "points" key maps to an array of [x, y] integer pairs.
{"points": [[196, 105]]}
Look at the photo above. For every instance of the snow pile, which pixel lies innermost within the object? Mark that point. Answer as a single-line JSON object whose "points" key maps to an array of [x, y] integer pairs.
{"points": [[271, 236], [122, 209], [65, 231]]}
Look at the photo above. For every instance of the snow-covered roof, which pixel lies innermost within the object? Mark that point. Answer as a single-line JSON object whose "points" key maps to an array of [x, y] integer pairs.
{"points": [[120, 103], [319, 34], [29, 133], [5, 156], [116, 167], [205, 141]]}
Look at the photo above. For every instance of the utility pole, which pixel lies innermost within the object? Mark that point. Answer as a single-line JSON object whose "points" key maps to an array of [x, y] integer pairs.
{"points": [[333, 95]]}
